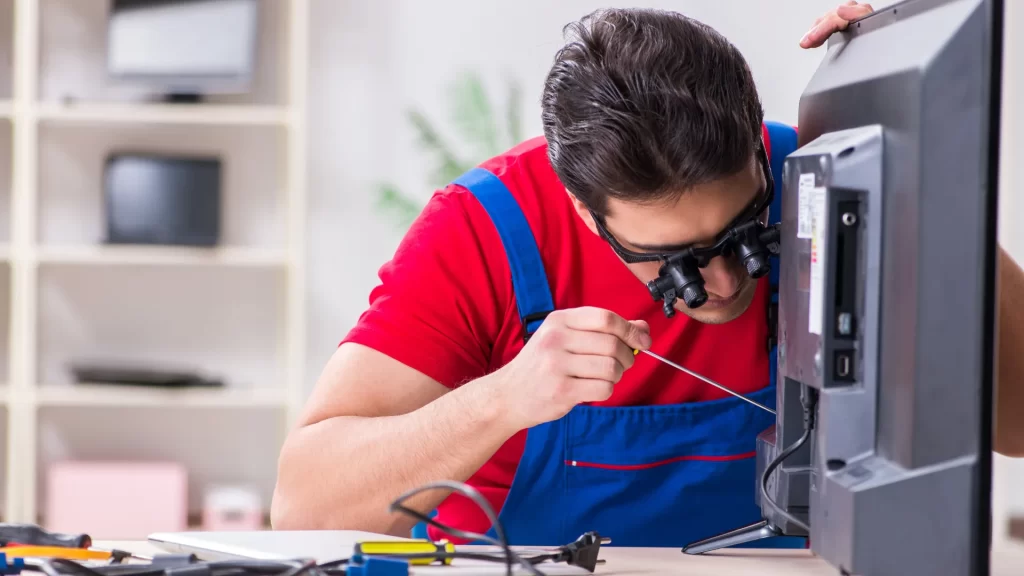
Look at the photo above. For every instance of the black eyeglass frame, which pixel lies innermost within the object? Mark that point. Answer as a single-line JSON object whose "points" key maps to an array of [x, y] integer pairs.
{"points": [[738, 229]]}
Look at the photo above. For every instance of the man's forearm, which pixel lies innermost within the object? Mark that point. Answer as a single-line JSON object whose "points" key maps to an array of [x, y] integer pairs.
{"points": [[343, 472], [1009, 407]]}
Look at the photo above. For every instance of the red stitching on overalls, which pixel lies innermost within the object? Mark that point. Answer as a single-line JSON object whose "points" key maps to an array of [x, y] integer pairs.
{"points": [[726, 458]]}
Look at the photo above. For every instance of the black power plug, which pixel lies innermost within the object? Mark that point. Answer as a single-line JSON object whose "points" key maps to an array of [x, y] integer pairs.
{"points": [[584, 551]]}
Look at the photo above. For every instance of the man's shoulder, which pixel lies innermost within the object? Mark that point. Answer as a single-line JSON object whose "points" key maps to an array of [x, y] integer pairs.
{"points": [[454, 212], [524, 166], [448, 286], [450, 256], [530, 155], [783, 134], [526, 172]]}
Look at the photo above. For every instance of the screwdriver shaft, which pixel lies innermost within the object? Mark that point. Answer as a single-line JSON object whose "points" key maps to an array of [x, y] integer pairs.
{"points": [[708, 380]]}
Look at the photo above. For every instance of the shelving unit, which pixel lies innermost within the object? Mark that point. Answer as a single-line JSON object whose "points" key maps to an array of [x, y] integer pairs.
{"points": [[209, 114], [154, 255], [102, 395], [237, 309]]}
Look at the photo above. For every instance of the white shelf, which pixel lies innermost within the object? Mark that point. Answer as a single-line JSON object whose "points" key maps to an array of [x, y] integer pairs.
{"points": [[49, 136], [161, 255], [109, 395], [146, 113]]}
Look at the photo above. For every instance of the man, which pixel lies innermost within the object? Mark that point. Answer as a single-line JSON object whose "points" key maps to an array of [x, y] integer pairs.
{"points": [[654, 140]]}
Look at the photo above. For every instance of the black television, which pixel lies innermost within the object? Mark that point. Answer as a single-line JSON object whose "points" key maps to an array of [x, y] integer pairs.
{"points": [[881, 452], [899, 135]]}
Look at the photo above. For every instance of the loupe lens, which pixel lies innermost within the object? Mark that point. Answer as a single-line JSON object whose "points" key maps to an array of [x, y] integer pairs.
{"points": [[679, 277], [695, 296], [660, 286], [753, 253], [757, 265]]}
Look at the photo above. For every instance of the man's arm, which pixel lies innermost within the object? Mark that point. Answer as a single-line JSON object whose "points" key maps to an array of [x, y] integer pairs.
{"points": [[1009, 407], [375, 428]]}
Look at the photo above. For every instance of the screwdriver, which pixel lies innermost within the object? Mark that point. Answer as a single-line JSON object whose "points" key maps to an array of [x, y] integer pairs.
{"points": [[64, 552], [699, 377], [415, 551]]}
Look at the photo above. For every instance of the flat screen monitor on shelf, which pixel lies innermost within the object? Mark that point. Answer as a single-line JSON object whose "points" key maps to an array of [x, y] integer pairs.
{"points": [[183, 49]]}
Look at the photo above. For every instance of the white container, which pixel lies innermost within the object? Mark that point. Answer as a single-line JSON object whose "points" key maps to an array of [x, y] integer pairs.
{"points": [[232, 508]]}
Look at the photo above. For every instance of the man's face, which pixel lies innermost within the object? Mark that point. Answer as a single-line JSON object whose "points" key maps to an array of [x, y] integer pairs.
{"points": [[695, 218]]}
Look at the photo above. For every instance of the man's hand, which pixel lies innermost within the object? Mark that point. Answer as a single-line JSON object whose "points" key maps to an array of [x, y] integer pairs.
{"points": [[576, 356], [834, 21]]}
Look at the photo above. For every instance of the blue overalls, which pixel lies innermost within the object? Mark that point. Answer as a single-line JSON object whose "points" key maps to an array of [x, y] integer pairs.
{"points": [[702, 480]]}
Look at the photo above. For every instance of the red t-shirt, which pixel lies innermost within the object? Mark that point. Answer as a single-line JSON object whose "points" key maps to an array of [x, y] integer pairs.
{"points": [[445, 307]]}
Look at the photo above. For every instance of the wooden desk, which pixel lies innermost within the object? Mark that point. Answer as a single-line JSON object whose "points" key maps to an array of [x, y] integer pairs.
{"points": [[1007, 560]]}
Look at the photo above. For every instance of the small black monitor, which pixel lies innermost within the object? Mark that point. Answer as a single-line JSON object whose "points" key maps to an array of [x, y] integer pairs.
{"points": [[150, 199], [183, 48]]}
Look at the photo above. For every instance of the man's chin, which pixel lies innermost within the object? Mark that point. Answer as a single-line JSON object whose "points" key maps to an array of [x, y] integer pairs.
{"points": [[721, 312]]}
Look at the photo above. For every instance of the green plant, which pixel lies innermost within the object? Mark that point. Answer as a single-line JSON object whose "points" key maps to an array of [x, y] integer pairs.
{"points": [[477, 124]]}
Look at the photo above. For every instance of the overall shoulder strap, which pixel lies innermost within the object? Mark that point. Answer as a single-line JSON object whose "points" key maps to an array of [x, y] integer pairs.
{"points": [[529, 280], [782, 141]]}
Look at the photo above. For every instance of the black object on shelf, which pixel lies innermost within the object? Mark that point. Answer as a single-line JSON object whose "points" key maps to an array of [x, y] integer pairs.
{"points": [[159, 199], [183, 98], [139, 375]]}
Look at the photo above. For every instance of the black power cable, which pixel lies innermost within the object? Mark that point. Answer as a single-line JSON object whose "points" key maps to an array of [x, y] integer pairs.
{"points": [[478, 499], [808, 400], [768, 472], [583, 552]]}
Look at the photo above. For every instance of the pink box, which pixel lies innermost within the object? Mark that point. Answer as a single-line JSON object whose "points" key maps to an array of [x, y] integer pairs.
{"points": [[116, 500]]}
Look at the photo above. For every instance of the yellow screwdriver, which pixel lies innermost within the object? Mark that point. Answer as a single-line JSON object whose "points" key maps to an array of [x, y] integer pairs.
{"points": [[415, 551], [708, 380]]}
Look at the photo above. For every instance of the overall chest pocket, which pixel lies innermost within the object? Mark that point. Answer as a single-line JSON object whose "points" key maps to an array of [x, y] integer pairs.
{"points": [[664, 475]]}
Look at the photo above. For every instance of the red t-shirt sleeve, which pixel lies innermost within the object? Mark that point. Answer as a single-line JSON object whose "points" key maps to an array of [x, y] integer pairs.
{"points": [[442, 297]]}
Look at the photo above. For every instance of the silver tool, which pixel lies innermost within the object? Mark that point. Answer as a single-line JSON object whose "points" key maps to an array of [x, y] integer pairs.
{"points": [[708, 380]]}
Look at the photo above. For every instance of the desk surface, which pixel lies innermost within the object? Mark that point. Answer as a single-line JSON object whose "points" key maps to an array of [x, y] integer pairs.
{"points": [[1007, 560]]}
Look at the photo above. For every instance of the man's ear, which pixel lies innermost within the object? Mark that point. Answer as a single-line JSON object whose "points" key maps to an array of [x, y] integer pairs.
{"points": [[583, 212]]}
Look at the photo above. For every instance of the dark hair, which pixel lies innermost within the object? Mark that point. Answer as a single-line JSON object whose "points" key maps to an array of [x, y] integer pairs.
{"points": [[645, 104]]}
